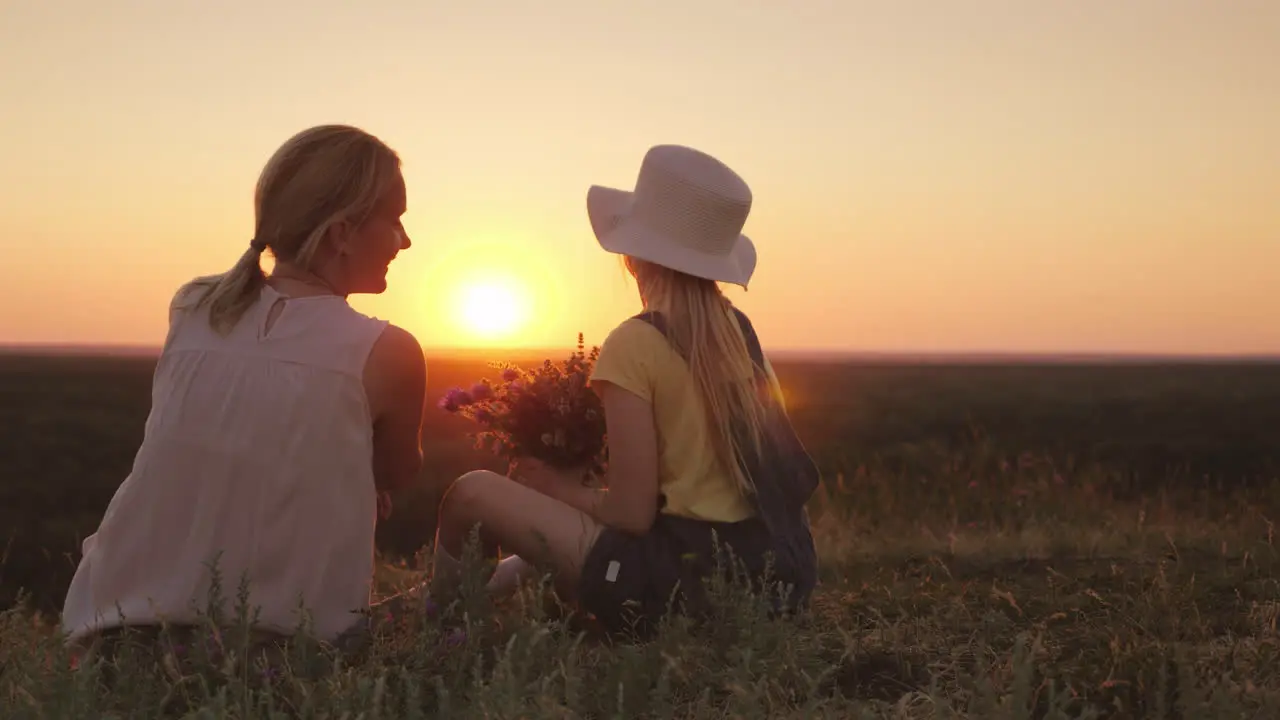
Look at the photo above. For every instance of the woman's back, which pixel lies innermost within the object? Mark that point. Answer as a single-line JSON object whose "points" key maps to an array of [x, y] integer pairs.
{"points": [[257, 453]]}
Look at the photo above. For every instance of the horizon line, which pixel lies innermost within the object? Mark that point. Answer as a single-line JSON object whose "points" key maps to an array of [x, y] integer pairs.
{"points": [[445, 352]]}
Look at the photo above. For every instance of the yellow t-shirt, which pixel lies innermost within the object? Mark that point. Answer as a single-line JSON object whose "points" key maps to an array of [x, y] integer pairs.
{"points": [[637, 358]]}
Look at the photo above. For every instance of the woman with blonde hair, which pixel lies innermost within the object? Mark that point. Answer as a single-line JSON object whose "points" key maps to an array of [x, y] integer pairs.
{"points": [[278, 412], [700, 447]]}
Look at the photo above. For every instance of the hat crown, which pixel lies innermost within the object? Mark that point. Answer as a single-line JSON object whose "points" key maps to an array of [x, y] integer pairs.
{"points": [[692, 198]]}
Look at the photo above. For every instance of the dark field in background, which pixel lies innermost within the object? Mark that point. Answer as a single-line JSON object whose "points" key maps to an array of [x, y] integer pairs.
{"points": [[69, 427]]}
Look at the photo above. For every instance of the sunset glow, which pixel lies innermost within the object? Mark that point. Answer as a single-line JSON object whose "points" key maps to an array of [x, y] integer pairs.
{"points": [[492, 309], [962, 180], [485, 287]]}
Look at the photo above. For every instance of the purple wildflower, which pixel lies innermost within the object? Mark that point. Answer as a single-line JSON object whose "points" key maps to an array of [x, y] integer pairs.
{"points": [[213, 650], [455, 399], [484, 416], [481, 391], [455, 637], [431, 607], [510, 374]]}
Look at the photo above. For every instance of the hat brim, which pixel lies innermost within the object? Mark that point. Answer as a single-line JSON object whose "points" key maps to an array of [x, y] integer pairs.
{"points": [[609, 209]]}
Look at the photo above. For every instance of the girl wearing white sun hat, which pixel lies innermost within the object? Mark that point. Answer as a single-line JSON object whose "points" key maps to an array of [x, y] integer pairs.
{"points": [[699, 441]]}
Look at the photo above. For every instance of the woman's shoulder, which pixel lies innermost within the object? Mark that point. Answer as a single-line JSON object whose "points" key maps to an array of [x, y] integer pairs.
{"points": [[190, 292], [397, 352], [397, 342]]}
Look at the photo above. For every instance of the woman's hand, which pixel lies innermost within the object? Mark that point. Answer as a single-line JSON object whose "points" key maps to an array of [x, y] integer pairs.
{"points": [[384, 504]]}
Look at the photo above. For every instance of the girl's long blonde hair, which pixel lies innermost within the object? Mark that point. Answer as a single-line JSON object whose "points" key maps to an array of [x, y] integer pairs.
{"points": [[703, 329], [319, 177]]}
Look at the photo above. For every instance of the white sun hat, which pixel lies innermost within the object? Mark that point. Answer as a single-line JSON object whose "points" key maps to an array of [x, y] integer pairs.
{"points": [[686, 213]]}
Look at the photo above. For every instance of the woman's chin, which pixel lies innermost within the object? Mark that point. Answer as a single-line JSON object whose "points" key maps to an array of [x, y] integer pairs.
{"points": [[374, 286], [374, 283]]}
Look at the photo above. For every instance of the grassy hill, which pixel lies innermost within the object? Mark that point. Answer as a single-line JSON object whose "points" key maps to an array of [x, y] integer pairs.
{"points": [[996, 540]]}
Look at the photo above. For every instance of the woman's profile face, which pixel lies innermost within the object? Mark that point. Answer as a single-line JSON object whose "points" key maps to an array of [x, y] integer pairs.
{"points": [[377, 241]]}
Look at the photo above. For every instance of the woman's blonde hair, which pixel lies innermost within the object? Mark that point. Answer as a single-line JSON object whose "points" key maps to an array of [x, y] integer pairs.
{"points": [[700, 324], [317, 178]]}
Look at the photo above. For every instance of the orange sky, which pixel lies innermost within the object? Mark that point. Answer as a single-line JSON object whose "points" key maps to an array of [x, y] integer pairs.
{"points": [[979, 176]]}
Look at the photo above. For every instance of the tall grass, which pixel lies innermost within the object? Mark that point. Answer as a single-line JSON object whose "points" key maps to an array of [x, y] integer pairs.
{"points": [[987, 587]]}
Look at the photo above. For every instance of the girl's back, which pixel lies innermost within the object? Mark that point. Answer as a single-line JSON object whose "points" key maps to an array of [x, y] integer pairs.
{"points": [[693, 479]]}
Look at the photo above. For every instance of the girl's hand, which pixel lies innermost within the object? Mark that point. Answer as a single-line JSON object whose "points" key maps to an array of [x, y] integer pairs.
{"points": [[538, 475]]}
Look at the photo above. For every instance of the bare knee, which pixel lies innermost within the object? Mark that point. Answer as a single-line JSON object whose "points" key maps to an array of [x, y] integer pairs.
{"points": [[466, 491], [462, 505]]}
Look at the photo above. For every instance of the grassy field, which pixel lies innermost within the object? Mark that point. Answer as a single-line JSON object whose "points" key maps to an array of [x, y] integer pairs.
{"points": [[997, 541]]}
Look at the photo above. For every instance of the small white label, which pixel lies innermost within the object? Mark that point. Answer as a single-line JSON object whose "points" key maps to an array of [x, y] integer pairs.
{"points": [[611, 573]]}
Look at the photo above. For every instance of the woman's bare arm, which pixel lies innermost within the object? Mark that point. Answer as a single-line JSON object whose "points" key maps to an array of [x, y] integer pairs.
{"points": [[395, 380]]}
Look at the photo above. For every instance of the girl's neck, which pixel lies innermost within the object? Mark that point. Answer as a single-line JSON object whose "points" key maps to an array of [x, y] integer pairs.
{"points": [[649, 302]]}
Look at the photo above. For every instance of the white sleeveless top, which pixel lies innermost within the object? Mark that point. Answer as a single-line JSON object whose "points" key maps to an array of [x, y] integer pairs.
{"points": [[258, 454]]}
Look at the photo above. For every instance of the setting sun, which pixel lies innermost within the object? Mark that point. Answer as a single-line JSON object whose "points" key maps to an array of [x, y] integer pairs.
{"points": [[491, 308], [500, 291]]}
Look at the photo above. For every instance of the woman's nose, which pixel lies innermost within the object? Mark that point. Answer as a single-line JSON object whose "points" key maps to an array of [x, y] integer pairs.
{"points": [[405, 242]]}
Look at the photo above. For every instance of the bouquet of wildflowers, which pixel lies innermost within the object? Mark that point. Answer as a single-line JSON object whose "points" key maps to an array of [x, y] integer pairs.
{"points": [[548, 413]]}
